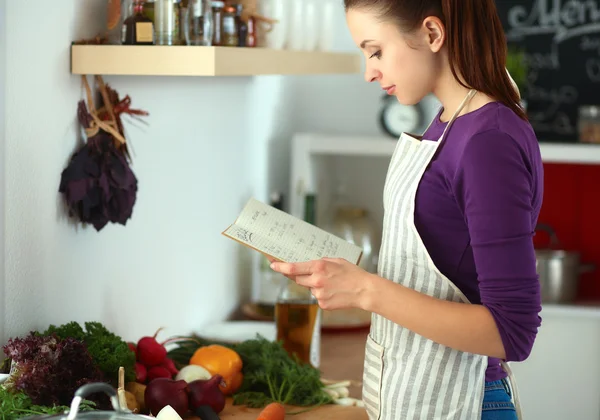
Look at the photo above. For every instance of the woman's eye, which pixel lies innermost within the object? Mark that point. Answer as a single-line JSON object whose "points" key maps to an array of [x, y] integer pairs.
{"points": [[376, 54]]}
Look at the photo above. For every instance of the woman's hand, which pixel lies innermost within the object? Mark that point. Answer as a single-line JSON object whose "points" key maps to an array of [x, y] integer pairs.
{"points": [[334, 282]]}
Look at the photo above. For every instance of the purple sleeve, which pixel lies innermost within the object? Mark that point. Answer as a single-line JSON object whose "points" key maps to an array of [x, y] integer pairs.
{"points": [[494, 188]]}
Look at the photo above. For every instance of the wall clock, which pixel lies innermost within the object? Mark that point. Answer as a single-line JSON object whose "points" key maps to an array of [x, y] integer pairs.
{"points": [[396, 118]]}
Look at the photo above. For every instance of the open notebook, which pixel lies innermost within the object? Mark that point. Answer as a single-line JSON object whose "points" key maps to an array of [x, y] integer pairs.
{"points": [[284, 237]]}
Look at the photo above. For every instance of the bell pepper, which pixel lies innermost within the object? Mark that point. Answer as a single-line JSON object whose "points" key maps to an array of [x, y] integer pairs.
{"points": [[220, 360]]}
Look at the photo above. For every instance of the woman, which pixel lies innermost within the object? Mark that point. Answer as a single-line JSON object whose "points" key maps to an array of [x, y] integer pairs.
{"points": [[457, 292]]}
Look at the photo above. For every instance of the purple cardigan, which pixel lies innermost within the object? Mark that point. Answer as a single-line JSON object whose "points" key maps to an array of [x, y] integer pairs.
{"points": [[476, 210]]}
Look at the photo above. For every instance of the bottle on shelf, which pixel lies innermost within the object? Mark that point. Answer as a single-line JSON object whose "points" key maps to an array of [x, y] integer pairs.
{"points": [[298, 321], [138, 29], [217, 9], [242, 26], [310, 208]]}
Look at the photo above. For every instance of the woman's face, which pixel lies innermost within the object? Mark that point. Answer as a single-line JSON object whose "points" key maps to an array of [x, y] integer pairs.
{"points": [[409, 72]]}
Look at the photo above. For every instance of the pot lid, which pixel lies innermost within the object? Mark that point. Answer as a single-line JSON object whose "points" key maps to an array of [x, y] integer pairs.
{"points": [[92, 388]]}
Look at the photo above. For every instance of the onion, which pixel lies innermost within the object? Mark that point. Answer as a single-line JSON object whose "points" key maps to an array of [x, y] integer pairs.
{"points": [[162, 392], [191, 373], [206, 392]]}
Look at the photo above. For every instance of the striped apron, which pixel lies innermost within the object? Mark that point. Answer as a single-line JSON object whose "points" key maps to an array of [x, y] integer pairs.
{"points": [[407, 376]]}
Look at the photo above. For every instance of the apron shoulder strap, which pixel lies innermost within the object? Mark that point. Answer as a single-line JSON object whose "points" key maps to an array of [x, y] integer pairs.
{"points": [[469, 96]]}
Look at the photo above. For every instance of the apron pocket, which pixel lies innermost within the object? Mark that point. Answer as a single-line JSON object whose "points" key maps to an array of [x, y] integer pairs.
{"points": [[373, 371]]}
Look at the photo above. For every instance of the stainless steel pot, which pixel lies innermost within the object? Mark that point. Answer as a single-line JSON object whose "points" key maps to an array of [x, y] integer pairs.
{"points": [[559, 270], [84, 391]]}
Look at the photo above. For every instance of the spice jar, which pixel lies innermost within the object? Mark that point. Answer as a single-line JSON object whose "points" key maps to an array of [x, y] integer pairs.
{"points": [[217, 9], [589, 124], [230, 27]]}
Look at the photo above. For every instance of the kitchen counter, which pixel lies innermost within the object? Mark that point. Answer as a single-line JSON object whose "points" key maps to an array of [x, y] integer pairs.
{"points": [[342, 356]]}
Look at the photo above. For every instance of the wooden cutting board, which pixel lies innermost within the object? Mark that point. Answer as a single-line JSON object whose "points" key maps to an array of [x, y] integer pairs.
{"points": [[327, 412]]}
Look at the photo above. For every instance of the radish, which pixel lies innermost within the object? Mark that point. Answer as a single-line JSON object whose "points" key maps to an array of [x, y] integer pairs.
{"points": [[141, 373], [151, 352], [158, 372], [133, 348], [170, 366]]}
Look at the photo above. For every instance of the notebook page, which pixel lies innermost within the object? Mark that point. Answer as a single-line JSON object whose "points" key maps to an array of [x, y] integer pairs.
{"points": [[287, 238]]}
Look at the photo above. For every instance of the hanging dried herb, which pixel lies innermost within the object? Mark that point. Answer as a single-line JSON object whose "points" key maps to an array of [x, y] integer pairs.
{"points": [[98, 184]]}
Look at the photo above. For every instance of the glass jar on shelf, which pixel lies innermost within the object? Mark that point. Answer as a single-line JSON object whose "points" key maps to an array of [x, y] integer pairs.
{"points": [[230, 27], [217, 10], [199, 23], [589, 124]]}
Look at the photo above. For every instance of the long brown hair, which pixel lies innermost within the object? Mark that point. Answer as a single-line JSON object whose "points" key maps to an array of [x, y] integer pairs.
{"points": [[474, 37]]}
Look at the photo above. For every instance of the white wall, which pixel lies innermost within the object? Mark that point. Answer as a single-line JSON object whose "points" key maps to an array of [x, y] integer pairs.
{"points": [[195, 165], [209, 144], [2, 140]]}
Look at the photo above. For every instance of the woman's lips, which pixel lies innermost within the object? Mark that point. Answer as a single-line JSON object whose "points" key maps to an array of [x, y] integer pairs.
{"points": [[390, 89]]}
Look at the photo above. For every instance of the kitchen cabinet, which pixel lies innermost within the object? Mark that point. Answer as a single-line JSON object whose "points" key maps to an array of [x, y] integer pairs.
{"points": [[161, 60], [561, 378]]}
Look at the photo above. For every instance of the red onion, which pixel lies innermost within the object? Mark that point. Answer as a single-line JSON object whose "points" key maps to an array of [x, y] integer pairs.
{"points": [[206, 392], [163, 391]]}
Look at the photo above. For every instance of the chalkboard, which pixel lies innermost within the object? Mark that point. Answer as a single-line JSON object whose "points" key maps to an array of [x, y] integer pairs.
{"points": [[561, 41]]}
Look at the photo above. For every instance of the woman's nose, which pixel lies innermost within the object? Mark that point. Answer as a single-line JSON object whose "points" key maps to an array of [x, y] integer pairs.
{"points": [[371, 75]]}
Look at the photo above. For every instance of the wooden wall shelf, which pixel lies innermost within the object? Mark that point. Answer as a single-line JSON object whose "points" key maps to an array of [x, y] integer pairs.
{"points": [[158, 60]]}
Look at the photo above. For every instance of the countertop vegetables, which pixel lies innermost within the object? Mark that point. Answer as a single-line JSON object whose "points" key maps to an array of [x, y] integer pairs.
{"points": [[221, 360], [191, 373], [207, 392], [49, 369], [151, 360], [273, 411], [162, 392], [184, 397], [269, 373], [108, 351]]}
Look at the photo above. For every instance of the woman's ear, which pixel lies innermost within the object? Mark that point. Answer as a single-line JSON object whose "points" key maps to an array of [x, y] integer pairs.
{"points": [[435, 33]]}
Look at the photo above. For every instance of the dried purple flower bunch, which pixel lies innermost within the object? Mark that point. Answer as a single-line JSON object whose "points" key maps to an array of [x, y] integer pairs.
{"points": [[98, 184]]}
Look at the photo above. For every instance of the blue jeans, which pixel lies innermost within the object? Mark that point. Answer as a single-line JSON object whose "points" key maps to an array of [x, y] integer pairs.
{"points": [[497, 403]]}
